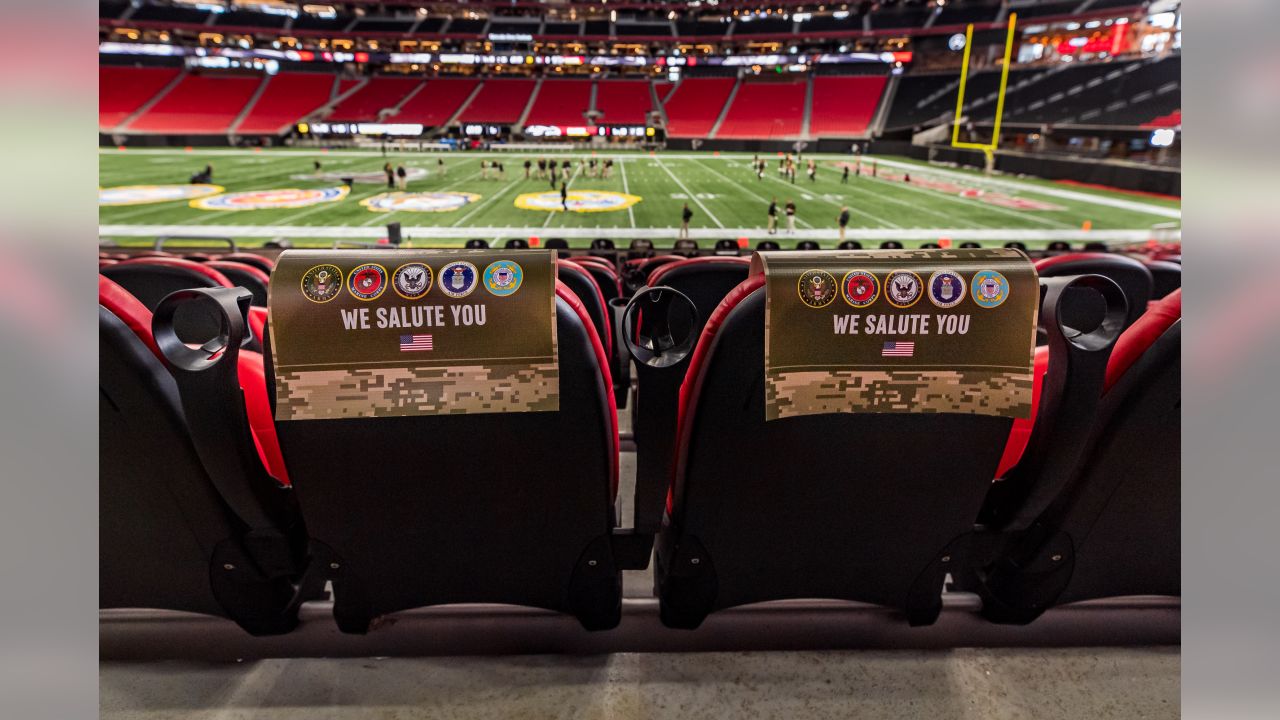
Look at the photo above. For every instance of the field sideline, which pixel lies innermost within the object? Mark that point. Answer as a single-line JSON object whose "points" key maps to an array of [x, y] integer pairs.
{"points": [[725, 196]]}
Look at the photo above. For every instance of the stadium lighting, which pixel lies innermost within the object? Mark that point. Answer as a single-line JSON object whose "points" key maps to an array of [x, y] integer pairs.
{"points": [[1163, 137]]}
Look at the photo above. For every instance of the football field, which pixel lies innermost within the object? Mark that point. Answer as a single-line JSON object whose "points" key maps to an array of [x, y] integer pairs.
{"points": [[255, 196]]}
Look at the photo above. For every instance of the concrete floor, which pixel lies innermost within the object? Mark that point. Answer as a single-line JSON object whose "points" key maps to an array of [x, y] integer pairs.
{"points": [[962, 684]]}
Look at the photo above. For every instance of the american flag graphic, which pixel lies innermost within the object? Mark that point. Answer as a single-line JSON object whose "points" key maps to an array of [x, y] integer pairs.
{"points": [[898, 349], [415, 343]]}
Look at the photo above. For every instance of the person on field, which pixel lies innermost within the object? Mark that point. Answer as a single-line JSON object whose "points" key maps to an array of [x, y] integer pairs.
{"points": [[843, 218], [542, 168], [527, 165], [402, 178], [685, 216], [608, 168], [317, 166], [391, 176], [791, 217], [204, 177], [844, 177], [564, 170], [773, 216], [564, 195], [813, 171], [440, 166]]}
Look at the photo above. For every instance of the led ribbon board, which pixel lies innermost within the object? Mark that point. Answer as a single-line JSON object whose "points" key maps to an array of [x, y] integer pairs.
{"points": [[393, 333], [899, 331]]}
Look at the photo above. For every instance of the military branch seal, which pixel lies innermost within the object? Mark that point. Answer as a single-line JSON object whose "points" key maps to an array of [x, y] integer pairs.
{"points": [[458, 279], [503, 278], [903, 288], [990, 289], [817, 288], [367, 282], [860, 288], [322, 283], [946, 288], [412, 280]]}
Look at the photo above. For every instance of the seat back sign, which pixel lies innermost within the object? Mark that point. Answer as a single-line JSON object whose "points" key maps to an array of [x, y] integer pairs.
{"points": [[899, 331], [389, 333]]}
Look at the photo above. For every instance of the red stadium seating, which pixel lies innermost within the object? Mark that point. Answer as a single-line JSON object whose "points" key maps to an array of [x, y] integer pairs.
{"points": [[623, 102], [765, 110], [844, 106], [1173, 119], [437, 102], [499, 101], [692, 108], [289, 97], [199, 105], [560, 102], [381, 93], [122, 90]]}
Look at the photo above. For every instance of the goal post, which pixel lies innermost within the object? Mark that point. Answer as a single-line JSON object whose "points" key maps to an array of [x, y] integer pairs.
{"points": [[988, 149]]}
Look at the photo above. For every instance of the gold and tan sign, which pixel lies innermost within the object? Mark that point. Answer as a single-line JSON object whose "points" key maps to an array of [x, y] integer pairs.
{"points": [[388, 333], [903, 331]]}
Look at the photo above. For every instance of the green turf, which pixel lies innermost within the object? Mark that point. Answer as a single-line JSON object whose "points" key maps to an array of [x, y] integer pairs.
{"points": [[725, 196]]}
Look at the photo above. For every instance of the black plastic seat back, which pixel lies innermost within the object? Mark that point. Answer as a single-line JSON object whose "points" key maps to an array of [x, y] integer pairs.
{"points": [[515, 508], [588, 291], [687, 248], [865, 507], [808, 245], [151, 283], [1132, 277], [167, 539], [768, 245], [849, 245], [246, 276], [1165, 277]]}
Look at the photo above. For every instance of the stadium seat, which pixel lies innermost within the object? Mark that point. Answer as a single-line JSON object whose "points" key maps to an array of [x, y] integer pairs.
{"points": [[246, 276], [496, 508], [262, 263], [1132, 276], [841, 506], [1059, 246], [849, 245], [639, 249], [477, 244], [516, 244], [767, 245], [726, 247], [970, 244], [808, 245], [585, 287], [1014, 244], [1107, 524], [930, 246], [1165, 277], [173, 533], [560, 245], [704, 282], [686, 248], [890, 245]]}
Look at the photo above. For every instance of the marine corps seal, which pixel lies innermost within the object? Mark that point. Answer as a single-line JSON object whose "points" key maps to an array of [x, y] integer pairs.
{"points": [[817, 288], [367, 282], [860, 288], [322, 283]]}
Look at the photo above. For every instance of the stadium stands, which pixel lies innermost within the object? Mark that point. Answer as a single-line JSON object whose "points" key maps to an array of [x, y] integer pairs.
{"points": [[694, 105], [437, 101], [122, 91], [199, 104], [560, 102], [844, 106], [499, 101], [623, 102], [380, 93], [765, 110], [289, 97]]}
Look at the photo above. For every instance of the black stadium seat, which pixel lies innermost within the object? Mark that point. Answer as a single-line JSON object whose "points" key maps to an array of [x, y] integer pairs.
{"points": [[1165, 277], [1132, 276], [849, 245], [171, 534], [867, 507], [705, 282], [514, 508], [768, 245], [1111, 527], [477, 244], [244, 275], [808, 245], [262, 263], [588, 291]]}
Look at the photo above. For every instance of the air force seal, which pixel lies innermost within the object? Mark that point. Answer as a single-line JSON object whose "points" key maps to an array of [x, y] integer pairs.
{"points": [[322, 283], [411, 280], [367, 282], [458, 279], [946, 288], [503, 278], [990, 289], [903, 288], [860, 288], [817, 288]]}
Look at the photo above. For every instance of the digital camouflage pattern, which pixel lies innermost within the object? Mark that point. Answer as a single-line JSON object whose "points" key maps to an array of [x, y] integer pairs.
{"points": [[899, 342], [382, 346]]}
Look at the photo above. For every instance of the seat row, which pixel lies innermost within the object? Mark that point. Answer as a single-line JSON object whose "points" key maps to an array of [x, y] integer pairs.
{"points": [[209, 505]]}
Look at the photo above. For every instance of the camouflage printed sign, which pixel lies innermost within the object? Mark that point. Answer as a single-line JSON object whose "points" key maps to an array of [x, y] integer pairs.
{"points": [[388, 333], [903, 331]]}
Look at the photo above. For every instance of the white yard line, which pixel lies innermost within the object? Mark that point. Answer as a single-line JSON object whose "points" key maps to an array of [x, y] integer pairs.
{"points": [[799, 189], [622, 168], [743, 188], [690, 194], [976, 204], [425, 231]]}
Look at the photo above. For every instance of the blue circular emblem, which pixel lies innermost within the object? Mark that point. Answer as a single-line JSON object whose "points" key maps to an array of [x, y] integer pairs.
{"points": [[989, 289], [458, 279], [946, 288], [503, 278]]}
